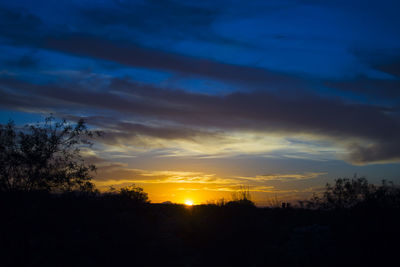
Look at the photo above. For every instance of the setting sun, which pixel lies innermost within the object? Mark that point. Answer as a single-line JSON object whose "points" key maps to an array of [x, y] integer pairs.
{"points": [[189, 203]]}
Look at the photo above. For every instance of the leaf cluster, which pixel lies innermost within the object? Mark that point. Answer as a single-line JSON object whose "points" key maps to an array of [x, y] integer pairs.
{"points": [[348, 193], [45, 156]]}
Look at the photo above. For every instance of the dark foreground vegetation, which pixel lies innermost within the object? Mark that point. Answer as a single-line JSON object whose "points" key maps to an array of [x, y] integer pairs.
{"points": [[81, 229], [52, 215]]}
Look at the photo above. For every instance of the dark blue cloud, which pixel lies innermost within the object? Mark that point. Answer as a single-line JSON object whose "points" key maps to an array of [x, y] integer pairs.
{"points": [[258, 111], [315, 67]]}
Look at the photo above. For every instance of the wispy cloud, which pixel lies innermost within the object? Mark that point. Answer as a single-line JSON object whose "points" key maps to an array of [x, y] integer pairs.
{"points": [[125, 175], [284, 177], [227, 123]]}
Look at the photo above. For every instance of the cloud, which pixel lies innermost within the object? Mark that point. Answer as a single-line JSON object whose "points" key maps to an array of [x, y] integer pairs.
{"points": [[122, 132], [373, 89], [233, 188], [135, 113], [129, 54], [27, 61], [392, 68], [152, 112], [284, 177], [123, 175], [27, 29], [181, 16], [383, 152], [111, 173], [117, 175], [19, 26]]}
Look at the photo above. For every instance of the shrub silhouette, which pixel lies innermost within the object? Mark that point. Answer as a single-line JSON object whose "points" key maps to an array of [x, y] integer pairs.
{"points": [[241, 198], [346, 193], [133, 193], [111, 229], [45, 157], [349, 193], [385, 196]]}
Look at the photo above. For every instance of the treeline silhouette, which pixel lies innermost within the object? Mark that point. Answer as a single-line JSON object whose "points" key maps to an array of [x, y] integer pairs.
{"points": [[52, 215]]}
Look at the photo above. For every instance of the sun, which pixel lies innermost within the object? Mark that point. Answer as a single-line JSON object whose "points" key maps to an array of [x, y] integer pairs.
{"points": [[189, 203]]}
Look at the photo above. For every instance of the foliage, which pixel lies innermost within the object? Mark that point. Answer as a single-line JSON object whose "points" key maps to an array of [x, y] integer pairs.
{"points": [[274, 202], [241, 197], [385, 196], [104, 229], [134, 193], [348, 193], [217, 202], [45, 156], [131, 193]]}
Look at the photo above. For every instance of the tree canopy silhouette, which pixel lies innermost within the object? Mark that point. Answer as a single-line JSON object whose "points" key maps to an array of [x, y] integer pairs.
{"points": [[130, 193], [348, 193], [242, 197], [45, 156]]}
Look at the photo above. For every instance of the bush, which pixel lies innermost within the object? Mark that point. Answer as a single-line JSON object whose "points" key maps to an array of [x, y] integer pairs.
{"points": [[131, 194], [348, 193], [241, 198], [44, 157]]}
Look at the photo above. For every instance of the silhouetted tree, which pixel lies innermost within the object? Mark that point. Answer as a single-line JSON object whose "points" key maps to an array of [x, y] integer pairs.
{"points": [[45, 156], [130, 194], [387, 195], [241, 197], [348, 193], [134, 193]]}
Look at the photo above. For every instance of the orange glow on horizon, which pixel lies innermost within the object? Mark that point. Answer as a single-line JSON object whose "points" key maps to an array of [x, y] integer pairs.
{"points": [[195, 188]]}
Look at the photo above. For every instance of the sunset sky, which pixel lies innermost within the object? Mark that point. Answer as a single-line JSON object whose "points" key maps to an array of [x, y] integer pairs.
{"points": [[197, 98]]}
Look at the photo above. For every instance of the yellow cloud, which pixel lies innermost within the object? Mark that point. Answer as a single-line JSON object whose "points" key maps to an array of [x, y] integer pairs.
{"points": [[284, 177], [152, 177]]}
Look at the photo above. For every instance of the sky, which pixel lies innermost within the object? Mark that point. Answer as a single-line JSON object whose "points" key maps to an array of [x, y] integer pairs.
{"points": [[199, 98]]}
